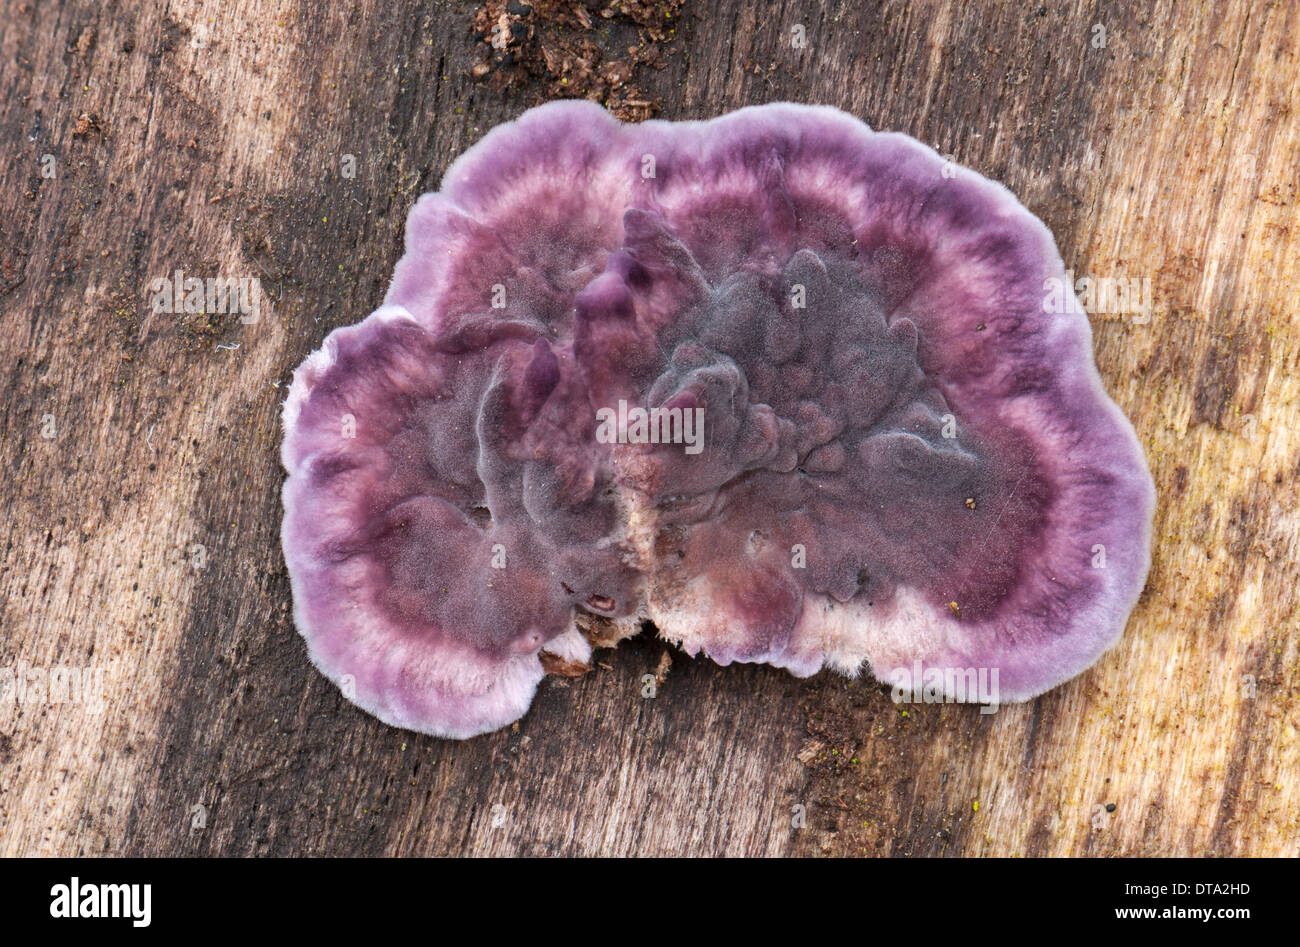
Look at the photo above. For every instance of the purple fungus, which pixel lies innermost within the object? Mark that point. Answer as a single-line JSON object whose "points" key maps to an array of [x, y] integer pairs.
{"points": [[784, 386]]}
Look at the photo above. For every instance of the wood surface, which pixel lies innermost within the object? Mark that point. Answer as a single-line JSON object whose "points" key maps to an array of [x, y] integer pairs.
{"points": [[209, 137]]}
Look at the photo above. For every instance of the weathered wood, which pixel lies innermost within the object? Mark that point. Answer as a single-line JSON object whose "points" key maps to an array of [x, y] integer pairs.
{"points": [[209, 137]]}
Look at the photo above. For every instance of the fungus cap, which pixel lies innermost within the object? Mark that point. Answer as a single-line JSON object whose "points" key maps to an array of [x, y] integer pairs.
{"points": [[779, 383]]}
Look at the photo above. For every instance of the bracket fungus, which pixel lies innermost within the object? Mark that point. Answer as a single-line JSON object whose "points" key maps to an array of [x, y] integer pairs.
{"points": [[782, 385]]}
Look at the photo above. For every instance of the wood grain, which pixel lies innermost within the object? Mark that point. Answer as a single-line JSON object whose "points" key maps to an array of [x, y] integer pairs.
{"points": [[209, 137]]}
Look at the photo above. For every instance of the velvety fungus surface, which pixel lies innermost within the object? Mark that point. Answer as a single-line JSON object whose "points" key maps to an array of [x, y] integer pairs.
{"points": [[782, 385]]}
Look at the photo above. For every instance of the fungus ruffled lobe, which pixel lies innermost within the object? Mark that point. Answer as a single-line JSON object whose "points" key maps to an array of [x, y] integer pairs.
{"points": [[905, 460]]}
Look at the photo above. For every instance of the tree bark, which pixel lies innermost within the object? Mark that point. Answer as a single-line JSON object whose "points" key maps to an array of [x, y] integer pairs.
{"points": [[142, 483]]}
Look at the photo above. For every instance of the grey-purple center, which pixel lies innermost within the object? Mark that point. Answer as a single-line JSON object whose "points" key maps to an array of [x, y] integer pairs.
{"points": [[829, 461]]}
